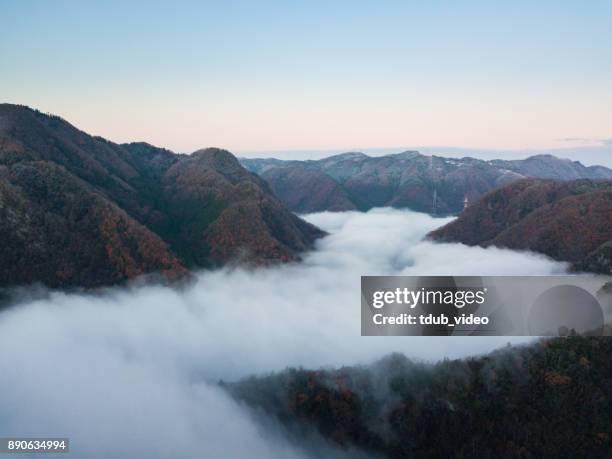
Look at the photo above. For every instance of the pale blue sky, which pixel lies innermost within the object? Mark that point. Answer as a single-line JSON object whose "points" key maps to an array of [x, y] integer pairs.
{"points": [[264, 76]]}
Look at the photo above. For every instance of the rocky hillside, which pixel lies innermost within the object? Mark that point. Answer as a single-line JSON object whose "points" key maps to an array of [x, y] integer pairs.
{"points": [[430, 184], [80, 210], [549, 399], [568, 221]]}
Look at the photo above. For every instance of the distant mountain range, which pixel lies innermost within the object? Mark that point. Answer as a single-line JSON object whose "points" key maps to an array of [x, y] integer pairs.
{"points": [[81, 210], [432, 184], [568, 221]]}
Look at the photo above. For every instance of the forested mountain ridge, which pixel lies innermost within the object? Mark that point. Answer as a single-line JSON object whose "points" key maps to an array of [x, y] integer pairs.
{"points": [[77, 210], [567, 221], [549, 399]]}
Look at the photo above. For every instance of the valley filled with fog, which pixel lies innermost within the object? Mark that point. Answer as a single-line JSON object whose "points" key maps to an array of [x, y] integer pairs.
{"points": [[133, 372]]}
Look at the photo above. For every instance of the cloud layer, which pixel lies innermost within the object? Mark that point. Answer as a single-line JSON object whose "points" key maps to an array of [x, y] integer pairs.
{"points": [[133, 372]]}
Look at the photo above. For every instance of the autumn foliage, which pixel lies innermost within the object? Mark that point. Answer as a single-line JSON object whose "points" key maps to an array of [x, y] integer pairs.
{"points": [[77, 210], [549, 399]]}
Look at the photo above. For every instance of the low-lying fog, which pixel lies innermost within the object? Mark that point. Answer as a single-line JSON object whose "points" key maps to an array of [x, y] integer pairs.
{"points": [[132, 372]]}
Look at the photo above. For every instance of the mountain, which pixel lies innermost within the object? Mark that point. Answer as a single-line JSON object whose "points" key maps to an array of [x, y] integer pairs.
{"points": [[430, 184], [220, 211], [547, 399], [79, 210], [55, 229], [568, 221], [308, 190]]}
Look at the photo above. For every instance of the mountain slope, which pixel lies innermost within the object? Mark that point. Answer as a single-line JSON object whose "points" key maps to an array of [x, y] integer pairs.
{"points": [[568, 221], [430, 184], [308, 190], [551, 167], [243, 218], [58, 231], [548, 399], [86, 211]]}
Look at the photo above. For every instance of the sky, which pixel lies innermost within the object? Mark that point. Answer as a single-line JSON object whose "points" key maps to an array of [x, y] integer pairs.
{"points": [[256, 77]]}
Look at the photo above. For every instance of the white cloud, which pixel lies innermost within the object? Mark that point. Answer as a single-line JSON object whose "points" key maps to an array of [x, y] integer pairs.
{"points": [[132, 372]]}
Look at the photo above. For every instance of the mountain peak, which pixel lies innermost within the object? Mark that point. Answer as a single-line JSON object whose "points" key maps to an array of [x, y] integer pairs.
{"points": [[216, 156], [222, 161], [548, 157], [347, 156], [17, 111], [129, 209], [408, 154], [6, 107]]}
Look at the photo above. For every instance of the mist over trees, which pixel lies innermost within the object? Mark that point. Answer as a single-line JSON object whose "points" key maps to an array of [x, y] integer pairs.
{"points": [[549, 399]]}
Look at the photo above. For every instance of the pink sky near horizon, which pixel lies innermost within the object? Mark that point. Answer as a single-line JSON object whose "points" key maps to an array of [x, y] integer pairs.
{"points": [[278, 76], [332, 127]]}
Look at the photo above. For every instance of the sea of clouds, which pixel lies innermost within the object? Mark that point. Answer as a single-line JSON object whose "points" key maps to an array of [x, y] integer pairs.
{"points": [[133, 372]]}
